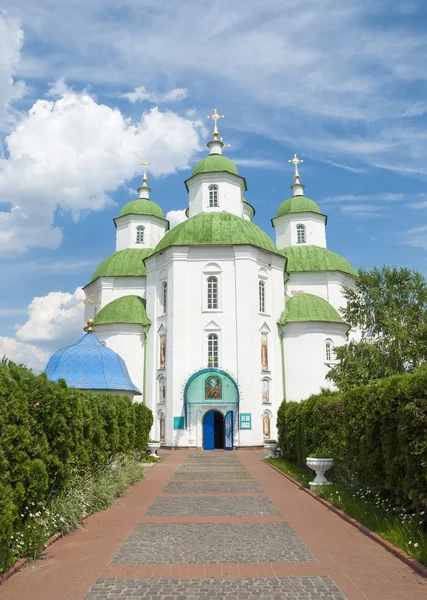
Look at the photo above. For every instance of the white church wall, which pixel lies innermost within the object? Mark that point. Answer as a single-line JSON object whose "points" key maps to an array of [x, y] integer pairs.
{"points": [[326, 284], [127, 341], [286, 229], [229, 193], [305, 358], [237, 322], [104, 290], [126, 232]]}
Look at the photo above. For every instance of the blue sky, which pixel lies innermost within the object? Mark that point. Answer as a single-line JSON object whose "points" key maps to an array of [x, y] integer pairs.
{"points": [[87, 89]]}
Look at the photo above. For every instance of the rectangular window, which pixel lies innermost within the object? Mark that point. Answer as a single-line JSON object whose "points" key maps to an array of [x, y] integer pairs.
{"points": [[213, 350], [261, 293], [245, 421]]}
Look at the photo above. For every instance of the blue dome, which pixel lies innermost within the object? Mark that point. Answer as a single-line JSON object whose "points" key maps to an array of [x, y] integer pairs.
{"points": [[89, 365]]}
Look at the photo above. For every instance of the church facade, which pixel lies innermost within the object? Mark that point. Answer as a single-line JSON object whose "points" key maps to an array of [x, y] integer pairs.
{"points": [[216, 323]]}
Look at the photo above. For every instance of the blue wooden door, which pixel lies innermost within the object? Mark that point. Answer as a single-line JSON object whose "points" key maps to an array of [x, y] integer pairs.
{"points": [[208, 431], [228, 431]]}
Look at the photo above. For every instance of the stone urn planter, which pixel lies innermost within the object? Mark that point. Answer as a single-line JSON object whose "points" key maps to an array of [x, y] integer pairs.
{"points": [[320, 465], [271, 446], [152, 448]]}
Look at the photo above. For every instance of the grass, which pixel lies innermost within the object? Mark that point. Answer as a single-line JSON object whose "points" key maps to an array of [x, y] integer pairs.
{"points": [[64, 513], [402, 527]]}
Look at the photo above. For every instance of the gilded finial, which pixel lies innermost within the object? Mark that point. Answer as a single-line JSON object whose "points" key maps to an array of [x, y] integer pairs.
{"points": [[215, 116], [296, 161], [89, 326], [145, 164]]}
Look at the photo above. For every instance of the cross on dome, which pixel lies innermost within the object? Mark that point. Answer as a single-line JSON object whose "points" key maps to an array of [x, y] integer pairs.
{"points": [[144, 189], [145, 164], [296, 161], [224, 145], [215, 116]]}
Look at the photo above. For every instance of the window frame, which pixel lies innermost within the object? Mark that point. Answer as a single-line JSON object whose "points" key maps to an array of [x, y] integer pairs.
{"points": [[262, 296], [213, 361], [213, 196], [328, 351], [140, 232], [301, 230], [164, 297], [212, 292]]}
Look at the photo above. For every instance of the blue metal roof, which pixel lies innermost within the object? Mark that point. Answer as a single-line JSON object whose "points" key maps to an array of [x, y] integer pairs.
{"points": [[90, 366]]}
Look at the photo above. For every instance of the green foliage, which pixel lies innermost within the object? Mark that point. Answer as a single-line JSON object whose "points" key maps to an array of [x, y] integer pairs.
{"points": [[376, 433], [48, 434], [389, 307]]}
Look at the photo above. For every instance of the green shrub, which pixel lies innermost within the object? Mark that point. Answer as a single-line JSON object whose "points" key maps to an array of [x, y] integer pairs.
{"points": [[376, 433], [49, 433]]}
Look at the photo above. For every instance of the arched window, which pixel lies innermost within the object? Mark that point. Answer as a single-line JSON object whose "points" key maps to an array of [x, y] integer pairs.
{"points": [[300, 234], [265, 391], [213, 350], [261, 295], [328, 351], [213, 195], [164, 297], [212, 292], [140, 234]]}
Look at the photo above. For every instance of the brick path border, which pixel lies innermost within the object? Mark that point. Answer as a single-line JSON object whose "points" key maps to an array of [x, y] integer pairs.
{"points": [[397, 552]]}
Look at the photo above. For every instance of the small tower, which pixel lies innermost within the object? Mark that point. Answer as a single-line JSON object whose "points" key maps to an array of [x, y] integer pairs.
{"points": [[141, 223], [299, 220], [215, 184]]}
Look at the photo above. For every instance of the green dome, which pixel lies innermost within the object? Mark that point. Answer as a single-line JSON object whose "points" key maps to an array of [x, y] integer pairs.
{"points": [[129, 309], [216, 228], [297, 204], [315, 258], [215, 162], [142, 206], [302, 308], [124, 263]]}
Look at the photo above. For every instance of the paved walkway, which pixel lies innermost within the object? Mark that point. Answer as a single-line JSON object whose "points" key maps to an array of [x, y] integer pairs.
{"points": [[216, 525]]}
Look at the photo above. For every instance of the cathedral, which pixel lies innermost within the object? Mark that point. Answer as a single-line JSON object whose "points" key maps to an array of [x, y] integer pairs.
{"points": [[211, 323]]}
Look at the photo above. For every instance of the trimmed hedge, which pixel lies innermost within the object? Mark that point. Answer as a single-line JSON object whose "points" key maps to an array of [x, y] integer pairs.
{"points": [[376, 433], [49, 432]]}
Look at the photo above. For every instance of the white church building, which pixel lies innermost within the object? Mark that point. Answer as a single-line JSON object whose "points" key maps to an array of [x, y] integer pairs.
{"points": [[215, 322]]}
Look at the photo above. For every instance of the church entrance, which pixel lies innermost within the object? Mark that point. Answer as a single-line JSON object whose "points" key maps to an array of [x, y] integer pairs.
{"points": [[213, 430]]}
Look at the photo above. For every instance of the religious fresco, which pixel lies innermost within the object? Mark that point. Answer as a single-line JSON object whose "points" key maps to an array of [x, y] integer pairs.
{"points": [[162, 427], [266, 426], [162, 351], [265, 391], [162, 390], [264, 352], [213, 388]]}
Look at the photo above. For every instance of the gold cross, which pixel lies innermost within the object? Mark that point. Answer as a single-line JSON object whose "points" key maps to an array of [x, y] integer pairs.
{"points": [[145, 164], [215, 116], [295, 161], [225, 145]]}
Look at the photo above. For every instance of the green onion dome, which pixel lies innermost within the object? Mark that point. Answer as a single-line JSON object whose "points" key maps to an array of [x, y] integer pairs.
{"points": [[128, 309], [124, 263], [304, 257], [298, 204], [308, 307], [215, 162], [142, 206], [216, 228]]}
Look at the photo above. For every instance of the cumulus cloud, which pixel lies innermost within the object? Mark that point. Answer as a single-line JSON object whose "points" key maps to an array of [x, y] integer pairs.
{"points": [[56, 318], [11, 39], [140, 94], [175, 217], [73, 153], [26, 354]]}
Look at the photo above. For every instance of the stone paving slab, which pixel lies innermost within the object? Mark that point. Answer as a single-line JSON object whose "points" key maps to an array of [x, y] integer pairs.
{"points": [[212, 543], [198, 466], [283, 588], [209, 456], [211, 487], [211, 474], [212, 505]]}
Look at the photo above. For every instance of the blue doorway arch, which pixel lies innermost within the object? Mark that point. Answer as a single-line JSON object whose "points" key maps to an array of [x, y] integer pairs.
{"points": [[213, 430]]}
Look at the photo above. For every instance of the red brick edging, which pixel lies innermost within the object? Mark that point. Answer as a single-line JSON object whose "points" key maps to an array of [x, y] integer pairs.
{"points": [[398, 553]]}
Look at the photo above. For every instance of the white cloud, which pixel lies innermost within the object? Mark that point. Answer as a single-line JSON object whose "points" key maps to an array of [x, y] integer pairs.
{"points": [[11, 39], [261, 163], [72, 153], [175, 217], [26, 354], [417, 237], [56, 318], [362, 210], [140, 94], [385, 197]]}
